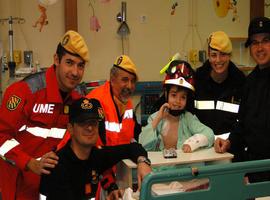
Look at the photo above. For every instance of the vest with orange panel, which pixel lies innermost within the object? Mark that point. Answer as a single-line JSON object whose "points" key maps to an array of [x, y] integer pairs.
{"points": [[118, 131]]}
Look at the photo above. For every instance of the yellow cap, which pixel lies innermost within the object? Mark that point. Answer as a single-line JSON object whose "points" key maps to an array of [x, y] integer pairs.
{"points": [[220, 41], [125, 63], [74, 43]]}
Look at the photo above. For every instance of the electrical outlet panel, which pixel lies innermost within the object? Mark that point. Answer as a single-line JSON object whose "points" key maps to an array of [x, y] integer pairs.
{"points": [[202, 56], [28, 57], [193, 56], [17, 54]]}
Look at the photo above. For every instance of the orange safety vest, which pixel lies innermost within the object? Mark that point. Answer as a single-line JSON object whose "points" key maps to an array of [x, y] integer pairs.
{"points": [[117, 131]]}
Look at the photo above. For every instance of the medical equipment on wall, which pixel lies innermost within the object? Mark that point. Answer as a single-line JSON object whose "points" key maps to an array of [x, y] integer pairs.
{"points": [[123, 30], [11, 62], [149, 92]]}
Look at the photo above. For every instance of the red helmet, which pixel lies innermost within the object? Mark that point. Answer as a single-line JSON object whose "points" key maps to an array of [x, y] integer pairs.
{"points": [[180, 73]]}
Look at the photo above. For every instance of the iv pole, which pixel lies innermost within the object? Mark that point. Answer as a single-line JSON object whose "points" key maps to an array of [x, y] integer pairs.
{"points": [[11, 63]]}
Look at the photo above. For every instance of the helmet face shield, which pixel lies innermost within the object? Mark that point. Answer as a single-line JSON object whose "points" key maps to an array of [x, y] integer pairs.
{"points": [[180, 73]]}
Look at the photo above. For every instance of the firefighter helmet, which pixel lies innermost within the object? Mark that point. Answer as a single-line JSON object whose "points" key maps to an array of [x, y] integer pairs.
{"points": [[180, 73]]}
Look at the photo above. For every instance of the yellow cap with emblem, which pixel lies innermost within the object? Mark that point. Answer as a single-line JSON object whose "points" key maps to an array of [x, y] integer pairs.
{"points": [[125, 63], [74, 43], [220, 41]]}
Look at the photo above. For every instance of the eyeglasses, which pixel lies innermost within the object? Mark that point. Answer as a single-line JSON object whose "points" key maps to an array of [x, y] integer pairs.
{"points": [[255, 43]]}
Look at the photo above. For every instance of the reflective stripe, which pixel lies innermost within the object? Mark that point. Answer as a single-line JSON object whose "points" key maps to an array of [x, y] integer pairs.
{"points": [[204, 105], [229, 107], [8, 145], [44, 132], [128, 114], [221, 105], [223, 136], [42, 197], [116, 127], [113, 126], [22, 128], [37, 131]]}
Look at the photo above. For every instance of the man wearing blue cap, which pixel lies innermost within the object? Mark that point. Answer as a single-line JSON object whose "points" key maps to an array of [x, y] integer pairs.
{"points": [[81, 163], [251, 138]]}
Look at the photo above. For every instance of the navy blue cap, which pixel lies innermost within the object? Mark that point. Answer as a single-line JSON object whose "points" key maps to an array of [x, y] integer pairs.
{"points": [[85, 109], [257, 25]]}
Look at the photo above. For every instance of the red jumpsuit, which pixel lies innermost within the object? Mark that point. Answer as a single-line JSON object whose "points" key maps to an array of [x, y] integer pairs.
{"points": [[33, 119], [119, 129]]}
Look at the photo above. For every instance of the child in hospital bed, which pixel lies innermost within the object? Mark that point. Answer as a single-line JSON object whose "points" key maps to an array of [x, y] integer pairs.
{"points": [[174, 126]]}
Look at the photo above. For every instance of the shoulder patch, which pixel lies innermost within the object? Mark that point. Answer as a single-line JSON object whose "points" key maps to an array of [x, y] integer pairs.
{"points": [[13, 102]]}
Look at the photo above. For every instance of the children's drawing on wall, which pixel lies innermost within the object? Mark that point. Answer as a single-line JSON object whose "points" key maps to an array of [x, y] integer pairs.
{"points": [[267, 8], [222, 7], [94, 23], [175, 4], [267, 4], [43, 19]]}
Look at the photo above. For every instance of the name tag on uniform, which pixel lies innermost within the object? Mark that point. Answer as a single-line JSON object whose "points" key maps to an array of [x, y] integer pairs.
{"points": [[66, 109]]}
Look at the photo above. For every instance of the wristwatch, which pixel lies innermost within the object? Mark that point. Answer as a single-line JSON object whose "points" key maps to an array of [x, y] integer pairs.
{"points": [[144, 159]]}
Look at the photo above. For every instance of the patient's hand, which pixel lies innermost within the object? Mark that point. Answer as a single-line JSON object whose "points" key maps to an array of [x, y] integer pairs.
{"points": [[186, 148]]}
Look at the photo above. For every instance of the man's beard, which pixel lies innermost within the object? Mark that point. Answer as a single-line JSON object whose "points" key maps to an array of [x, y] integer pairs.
{"points": [[125, 92]]}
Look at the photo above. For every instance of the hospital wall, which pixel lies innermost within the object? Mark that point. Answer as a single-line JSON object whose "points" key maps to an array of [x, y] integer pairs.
{"points": [[155, 34]]}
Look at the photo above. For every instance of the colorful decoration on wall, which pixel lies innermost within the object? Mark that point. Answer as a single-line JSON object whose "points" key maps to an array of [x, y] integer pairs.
{"points": [[42, 7], [266, 4], [94, 23], [42, 20], [222, 8], [174, 8]]}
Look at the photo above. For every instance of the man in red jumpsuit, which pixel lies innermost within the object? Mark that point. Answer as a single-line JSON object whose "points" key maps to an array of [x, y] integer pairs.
{"points": [[34, 115], [120, 120]]}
